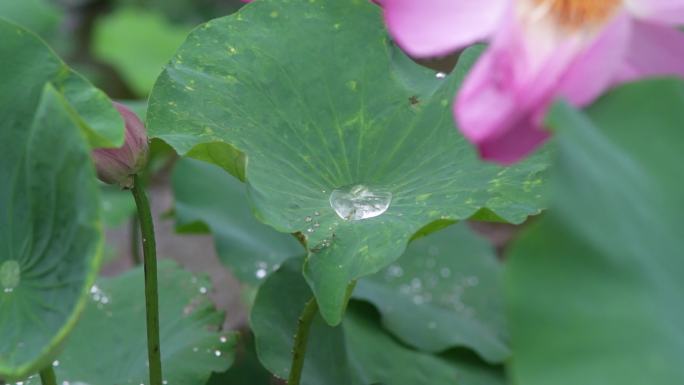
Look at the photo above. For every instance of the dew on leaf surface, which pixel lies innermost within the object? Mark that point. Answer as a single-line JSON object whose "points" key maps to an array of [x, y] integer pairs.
{"points": [[10, 275], [360, 202]]}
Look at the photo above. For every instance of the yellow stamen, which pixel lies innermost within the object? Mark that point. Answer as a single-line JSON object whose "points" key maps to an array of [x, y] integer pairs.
{"points": [[575, 14]]}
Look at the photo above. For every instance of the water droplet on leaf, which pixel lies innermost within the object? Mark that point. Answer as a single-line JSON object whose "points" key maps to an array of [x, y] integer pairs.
{"points": [[360, 202]]}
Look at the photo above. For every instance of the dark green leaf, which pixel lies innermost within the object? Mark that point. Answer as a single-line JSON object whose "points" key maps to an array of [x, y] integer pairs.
{"points": [[50, 231], [595, 287], [247, 370], [444, 291], [109, 347], [204, 192], [357, 352], [316, 115]]}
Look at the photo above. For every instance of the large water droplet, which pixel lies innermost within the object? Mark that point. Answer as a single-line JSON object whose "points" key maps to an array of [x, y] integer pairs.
{"points": [[10, 275], [359, 202]]}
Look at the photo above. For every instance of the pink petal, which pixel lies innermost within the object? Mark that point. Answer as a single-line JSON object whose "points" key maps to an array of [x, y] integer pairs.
{"points": [[501, 102], [654, 50], [594, 70], [426, 28], [526, 135], [660, 11]]}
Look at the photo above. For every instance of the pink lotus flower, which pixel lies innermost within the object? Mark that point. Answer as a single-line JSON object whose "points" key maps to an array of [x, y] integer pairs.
{"points": [[539, 50], [118, 165]]}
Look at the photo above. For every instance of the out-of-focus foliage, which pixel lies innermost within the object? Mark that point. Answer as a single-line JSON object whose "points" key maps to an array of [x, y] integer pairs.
{"points": [[137, 43], [595, 287]]}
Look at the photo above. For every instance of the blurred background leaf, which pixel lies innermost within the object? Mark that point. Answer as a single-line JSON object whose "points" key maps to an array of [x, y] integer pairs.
{"points": [[595, 287], [137, 43]]}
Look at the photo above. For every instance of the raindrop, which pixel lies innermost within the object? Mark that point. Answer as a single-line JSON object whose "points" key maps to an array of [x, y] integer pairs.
{"points": [[203, 290], [10, 275], [217, 353], [308, 219], [223, 339], [310, 230], [165, 382], [316, 225], [359, 202], [55, 363], [445, 272], [440, 75], [261, 273], [395, 271], [316, 213]]}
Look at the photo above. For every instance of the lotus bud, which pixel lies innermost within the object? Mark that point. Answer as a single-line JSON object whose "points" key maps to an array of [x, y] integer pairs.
{"points": [[118, 165]]}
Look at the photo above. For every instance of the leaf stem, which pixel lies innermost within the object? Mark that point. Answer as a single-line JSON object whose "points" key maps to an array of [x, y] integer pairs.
{"points": [[47, 376], [135, 240], [300, 340], [151, 292]]}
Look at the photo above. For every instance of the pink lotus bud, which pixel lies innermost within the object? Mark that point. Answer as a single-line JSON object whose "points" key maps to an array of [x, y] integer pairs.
{"points": [[118, 165]]}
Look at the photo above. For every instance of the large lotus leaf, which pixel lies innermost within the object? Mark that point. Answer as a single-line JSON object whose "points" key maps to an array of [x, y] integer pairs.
{"points": [[318, 117], [596, 286], [357, 352], [27, 65], [444, 291], [109, 347], [50, 231], [206, 193]]}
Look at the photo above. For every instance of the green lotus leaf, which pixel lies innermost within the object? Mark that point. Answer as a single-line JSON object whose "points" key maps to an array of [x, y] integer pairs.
{"points": [[595, 286], [109, 347], [338, 145]]}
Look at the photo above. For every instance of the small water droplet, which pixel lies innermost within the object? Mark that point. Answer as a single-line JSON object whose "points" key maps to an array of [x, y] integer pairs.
{"points": [[308, 219], [316, 225], [360, 202], [164, 382], [395, 271], [316, 213], [310, 230], [10, 275], [55, 363], [217, 353], [445, 272], [223, 339], [203, 290], [195, 349], [440, 75], [261, 273]]}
